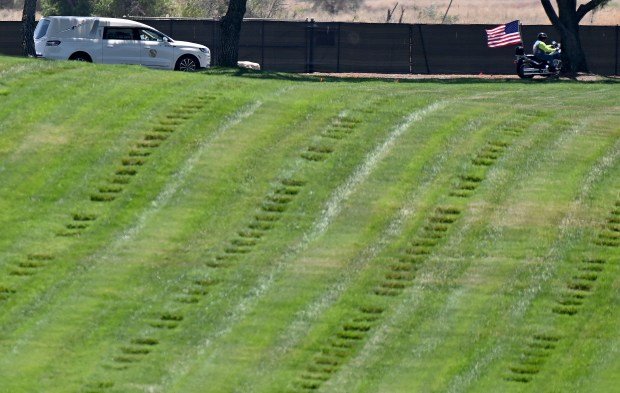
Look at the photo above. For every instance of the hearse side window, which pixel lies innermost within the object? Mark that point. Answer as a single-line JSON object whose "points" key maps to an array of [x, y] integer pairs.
{"points": [[118, 33]]}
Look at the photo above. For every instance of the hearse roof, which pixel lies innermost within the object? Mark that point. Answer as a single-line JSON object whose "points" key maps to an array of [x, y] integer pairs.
{"points": [[77, 20]]}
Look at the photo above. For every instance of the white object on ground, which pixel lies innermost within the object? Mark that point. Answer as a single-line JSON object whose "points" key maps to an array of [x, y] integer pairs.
{"points": [[249, 65]]}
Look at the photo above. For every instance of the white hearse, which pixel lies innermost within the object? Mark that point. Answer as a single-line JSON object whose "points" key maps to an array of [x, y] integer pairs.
{"points": [[115, 41]]}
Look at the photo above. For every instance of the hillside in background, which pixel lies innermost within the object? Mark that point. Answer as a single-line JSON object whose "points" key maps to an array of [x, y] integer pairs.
{"points": [[221, 232], [412, 11], [462, 11]]}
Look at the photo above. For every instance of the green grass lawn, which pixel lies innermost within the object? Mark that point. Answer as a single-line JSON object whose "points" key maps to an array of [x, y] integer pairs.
{"points": [[223, 232]]}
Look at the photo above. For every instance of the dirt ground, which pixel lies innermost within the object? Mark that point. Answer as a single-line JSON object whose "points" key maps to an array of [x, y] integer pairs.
{"points": [[398, 77]]}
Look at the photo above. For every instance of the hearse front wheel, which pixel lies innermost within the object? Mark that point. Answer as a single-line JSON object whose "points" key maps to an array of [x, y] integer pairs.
{"points": [[187, 64]]}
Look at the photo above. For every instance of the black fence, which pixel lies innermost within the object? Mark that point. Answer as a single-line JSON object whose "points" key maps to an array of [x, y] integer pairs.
{"points": [[366, 47], [10, 38]]}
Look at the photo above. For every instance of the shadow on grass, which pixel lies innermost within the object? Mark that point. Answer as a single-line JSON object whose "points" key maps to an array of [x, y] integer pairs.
{"points": [[285, 76]]}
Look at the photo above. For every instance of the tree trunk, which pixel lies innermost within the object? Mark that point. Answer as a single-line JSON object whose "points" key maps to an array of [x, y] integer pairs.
{"points": [[231, 29], [28, 25], [572, 53], [567, 24], [573, 56]]}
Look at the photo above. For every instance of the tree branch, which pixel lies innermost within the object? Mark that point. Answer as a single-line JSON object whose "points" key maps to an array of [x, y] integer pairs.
{"points": [[585, 8], [551, 14]]}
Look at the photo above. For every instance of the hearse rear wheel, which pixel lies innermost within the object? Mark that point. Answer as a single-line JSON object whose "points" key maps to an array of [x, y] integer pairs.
{"points": [[81, 56]]}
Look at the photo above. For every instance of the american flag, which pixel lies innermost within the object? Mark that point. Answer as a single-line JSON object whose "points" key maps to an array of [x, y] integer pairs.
{"points": [[508, 34]]}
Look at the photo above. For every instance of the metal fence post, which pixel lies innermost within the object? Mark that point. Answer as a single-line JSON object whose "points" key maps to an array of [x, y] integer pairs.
{"points": [[617, 47], [262, 46], [338, 58], [214, 47], [310, 47], [428, 69], [216, 42], [307, 50], [411, 49]]}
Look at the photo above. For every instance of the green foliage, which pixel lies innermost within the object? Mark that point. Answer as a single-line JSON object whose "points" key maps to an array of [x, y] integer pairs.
{"points": [[217, 8], [65, 7], [110, 8], [119, 8]]}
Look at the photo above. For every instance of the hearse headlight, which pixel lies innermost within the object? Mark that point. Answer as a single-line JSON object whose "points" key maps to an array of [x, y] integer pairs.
{"points": [[52, 43], [204, 50]]}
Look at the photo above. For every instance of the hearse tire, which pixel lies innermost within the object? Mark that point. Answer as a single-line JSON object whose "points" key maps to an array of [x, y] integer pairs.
{"points": [[187, 63], [81, 56]]}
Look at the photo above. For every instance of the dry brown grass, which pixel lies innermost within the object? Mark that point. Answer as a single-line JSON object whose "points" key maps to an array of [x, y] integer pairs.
{"points": [[463, 11], [430, 11], [10, 14]]}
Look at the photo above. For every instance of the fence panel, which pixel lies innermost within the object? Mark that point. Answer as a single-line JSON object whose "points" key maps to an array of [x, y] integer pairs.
{"points": [[382, 48], [251, 42], [285, 47], [367, 47], [458, 49], [11, 38], [324, 54], [598, 43]]}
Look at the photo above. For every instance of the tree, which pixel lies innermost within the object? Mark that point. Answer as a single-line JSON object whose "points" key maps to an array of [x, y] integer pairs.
{"points": [[121, 8], [28, 25], [231, 30], [335, 6], [566, 21], [113, 8], [67, 7]]}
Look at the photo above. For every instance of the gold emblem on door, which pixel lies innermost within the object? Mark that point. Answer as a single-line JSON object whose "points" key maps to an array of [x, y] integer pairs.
{"points": [[153, 53]]}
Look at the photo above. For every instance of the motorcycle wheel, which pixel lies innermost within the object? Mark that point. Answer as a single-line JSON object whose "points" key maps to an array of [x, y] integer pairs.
{"points": [[521, 71]]}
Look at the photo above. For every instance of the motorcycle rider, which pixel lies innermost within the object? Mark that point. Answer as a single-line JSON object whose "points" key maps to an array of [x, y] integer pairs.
{"points": [[544, 52]]}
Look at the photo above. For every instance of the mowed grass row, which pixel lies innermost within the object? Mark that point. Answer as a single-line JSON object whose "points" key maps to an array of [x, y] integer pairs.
{"points": [[272, 221], [495, 257]]}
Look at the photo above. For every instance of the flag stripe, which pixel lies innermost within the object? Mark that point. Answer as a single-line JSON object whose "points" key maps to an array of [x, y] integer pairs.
{"points": [[497, 29], [505, 38], [504, 35]]}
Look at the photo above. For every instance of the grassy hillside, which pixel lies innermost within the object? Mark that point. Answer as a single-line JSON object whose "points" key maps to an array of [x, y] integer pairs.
{"points": [[210, 232]]}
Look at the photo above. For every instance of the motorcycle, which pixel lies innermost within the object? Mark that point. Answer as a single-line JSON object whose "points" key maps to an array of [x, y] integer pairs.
{"points": [[528, 66]]}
